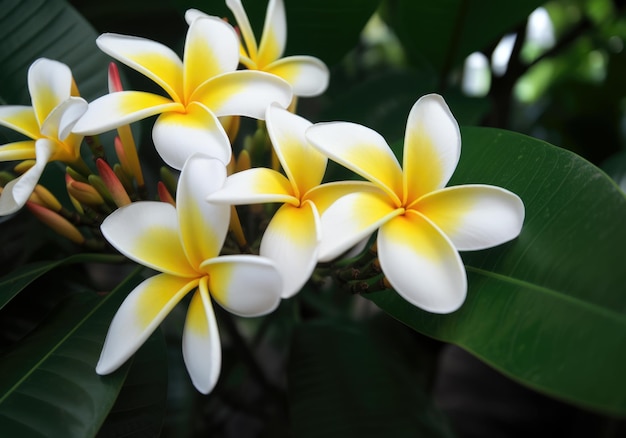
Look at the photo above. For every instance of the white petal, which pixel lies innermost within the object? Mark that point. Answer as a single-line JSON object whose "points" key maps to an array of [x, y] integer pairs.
{"points": [[49, 84], [202, 351], [20, 118], [362, 150], [62, 119], [122, 108], [245, 28], [148, 233], [432, 147], [291, 240], [307, 75], [139, 315], [192, 14], [211, 48], [203, 225], [421, 264], [351, 219], [274, 36], [245, 285], [16, 192], [244, 93], [254, 186], [150, 58], [474, 216], [303, 164], [178, 136]]}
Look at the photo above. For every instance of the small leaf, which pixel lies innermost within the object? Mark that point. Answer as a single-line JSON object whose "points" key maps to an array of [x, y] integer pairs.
{"points": [[547, 309]]}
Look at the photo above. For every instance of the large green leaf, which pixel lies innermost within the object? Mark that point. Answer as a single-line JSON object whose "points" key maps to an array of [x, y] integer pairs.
{"points": [[344, 382], [549, 308], [444, 32], [49, 385], [17, 280], [53, 29], [140, 406]]}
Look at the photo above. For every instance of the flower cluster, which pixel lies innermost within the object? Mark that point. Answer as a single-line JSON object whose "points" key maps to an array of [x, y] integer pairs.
{"points": [[420, 223]]}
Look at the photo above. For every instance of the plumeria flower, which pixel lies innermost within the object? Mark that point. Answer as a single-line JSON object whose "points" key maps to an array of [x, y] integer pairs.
{"points": [[201, 88], [183, 243], [292, 236], [47, 124], [421, 223], [307, 75]]}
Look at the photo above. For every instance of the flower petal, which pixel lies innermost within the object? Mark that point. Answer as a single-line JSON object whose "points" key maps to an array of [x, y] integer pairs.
{"points": [[474, 216], [244, 93], [16, 192], [291, 240], [122, 108], [202, 351], [21, 119], [303, 164], [177, 136], [150, 58], [362, 150], [139, 315], [203, 226], [191, 15], [211, 48], [307, 75], [324, 195], [351, 219], [245, 28], [421, 264], [63, 117], [245, 285], [148, 233], [274, 35], [432, 147], [19, 150], [254, 186], [49, 84]]}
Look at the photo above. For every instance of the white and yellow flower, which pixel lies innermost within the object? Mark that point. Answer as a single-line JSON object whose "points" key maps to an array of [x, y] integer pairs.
{"points": [[307, 75], [183, 244], [47, 124], [421, 223], [292, 236], [202, 87]]}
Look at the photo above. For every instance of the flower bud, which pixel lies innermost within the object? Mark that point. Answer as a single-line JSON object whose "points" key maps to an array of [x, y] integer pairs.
{"points": [[56, 222], [48, 199], [112, 183]]}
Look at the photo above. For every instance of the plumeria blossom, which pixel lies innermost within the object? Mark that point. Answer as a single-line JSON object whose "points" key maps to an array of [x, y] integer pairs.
{"points": [[292, 236], [421, 223], [183, 244], [47, 124], [203, 86], [307, 75]]}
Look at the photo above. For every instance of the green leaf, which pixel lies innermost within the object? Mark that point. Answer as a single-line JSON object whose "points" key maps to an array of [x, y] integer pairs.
{"points": [[547, 309], [343, 382], [140, 407], [443, 33], [20, 278], [51, 29], [49, 385]]}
